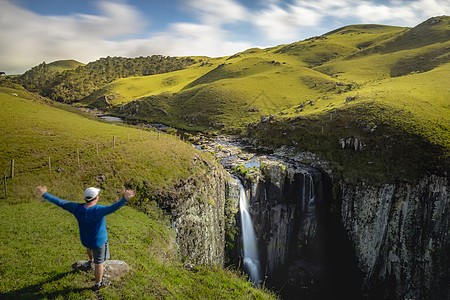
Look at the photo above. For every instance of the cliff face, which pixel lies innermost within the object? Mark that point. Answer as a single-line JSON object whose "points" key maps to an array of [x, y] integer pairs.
{"points": [[317, 238], [286, 204], [400, 233], [393, 239], [197, 210]]}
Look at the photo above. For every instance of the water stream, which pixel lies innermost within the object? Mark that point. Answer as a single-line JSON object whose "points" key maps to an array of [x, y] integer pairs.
{"points": [[250, 246]]}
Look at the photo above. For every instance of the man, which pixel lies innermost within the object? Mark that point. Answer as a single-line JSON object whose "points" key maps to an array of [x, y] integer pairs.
{"points": [[92, 225]]}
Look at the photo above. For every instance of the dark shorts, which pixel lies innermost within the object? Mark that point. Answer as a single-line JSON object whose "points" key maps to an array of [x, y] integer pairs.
{"points": [[101, 254]]}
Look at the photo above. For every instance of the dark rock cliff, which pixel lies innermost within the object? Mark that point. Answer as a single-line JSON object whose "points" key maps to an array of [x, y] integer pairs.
{"points": [[400, 233], [318, 239]]}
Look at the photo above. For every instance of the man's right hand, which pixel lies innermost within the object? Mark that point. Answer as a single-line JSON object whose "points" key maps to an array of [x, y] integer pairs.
{"points": [[41, 190]]}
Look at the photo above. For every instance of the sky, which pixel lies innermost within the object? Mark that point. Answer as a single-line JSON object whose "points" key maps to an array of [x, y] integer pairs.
{"points": [[34, 31]]}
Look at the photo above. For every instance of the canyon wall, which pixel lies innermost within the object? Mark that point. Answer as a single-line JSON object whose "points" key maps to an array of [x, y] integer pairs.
{"points": [[317, 237], [400, 233], [391, 241]]}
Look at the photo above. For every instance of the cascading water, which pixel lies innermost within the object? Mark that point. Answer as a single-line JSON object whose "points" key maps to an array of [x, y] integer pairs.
{"points": [[308, 195], [250, 247]]}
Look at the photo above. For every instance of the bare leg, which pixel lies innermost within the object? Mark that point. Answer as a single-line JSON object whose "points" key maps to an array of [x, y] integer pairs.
{"points": [[89, 253], [98, 272]]}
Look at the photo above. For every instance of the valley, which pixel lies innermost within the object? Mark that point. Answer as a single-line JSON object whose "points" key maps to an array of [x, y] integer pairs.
{"points": [[339, 142]]}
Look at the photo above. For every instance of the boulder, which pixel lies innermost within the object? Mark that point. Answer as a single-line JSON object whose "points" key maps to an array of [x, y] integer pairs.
{"points": [[112, 269]]}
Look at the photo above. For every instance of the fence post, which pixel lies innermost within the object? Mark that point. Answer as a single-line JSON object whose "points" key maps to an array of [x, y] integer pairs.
{"points": [[97, 149], [4, 182], [78, 158], [50, 165], [128, 138], [140, 135], [12, 168], [114, 142]]}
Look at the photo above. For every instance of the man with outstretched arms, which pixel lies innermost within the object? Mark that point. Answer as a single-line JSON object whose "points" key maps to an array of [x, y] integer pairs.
{"points": [[92, 225]]}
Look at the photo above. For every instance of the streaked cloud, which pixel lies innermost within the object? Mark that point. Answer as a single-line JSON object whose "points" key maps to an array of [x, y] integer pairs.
{"points": [[211, 27]]}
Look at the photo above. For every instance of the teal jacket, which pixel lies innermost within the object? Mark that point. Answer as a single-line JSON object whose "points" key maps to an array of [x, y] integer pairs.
{"points": [[91, 220]]}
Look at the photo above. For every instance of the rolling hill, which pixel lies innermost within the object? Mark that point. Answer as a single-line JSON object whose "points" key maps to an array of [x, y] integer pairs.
{"points": [[240, 88], [365, 72]]}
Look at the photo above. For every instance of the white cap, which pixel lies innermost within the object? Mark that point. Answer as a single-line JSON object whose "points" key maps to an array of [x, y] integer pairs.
{"points": [[91, 193]]}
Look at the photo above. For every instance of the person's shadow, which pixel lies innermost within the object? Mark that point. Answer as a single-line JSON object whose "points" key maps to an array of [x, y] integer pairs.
{"points": [[34, 291]]}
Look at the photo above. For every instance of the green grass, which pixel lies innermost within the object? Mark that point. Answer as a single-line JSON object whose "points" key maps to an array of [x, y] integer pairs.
{"points": [[40, 241], [395, 150]]}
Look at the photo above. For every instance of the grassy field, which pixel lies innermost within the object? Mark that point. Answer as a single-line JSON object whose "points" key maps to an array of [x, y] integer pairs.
{"points": [[40, 241]]}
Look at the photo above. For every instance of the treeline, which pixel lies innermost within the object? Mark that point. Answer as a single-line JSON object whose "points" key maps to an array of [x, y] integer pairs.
{"points": [[72, 85]]}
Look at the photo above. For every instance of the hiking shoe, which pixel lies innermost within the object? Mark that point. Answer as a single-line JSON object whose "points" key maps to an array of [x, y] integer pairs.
{"points": [[101, 285], [87, 266]]}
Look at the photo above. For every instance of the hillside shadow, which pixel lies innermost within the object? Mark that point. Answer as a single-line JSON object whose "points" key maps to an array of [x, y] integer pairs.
{"points": [[34, 291]]}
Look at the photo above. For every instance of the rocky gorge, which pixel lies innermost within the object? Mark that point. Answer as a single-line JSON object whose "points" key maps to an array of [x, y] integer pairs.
{"points": [[317, 236]]}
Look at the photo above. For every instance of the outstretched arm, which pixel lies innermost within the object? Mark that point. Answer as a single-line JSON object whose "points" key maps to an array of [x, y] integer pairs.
{"points": [[67, 205], [127, 195]]}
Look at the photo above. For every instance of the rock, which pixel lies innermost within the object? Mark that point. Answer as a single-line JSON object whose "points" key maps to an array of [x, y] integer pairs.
{"points": [[112, 269], [115, 269], [353, 143], [100, 178], [349, 98]]}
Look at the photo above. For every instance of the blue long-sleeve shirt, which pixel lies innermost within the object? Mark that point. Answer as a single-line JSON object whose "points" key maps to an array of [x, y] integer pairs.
{"points": [[91, 220]]}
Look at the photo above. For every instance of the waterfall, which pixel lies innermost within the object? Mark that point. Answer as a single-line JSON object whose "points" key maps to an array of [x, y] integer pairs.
{"points": [[308, 196], [250, 247]]}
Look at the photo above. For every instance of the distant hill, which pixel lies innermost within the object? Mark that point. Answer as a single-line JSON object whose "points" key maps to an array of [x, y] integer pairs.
{"points": [[62, 83], [63, 65], [240, 88]]}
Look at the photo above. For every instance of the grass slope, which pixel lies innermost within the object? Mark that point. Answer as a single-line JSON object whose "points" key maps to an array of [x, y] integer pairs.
{"points": [[398, 69], [40, 241]]}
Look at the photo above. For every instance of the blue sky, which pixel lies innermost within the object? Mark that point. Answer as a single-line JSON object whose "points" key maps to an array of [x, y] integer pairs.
{"points": [[33, 31]]}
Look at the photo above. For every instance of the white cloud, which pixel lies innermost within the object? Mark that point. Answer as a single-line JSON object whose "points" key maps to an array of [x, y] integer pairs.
{"points": [[218, 12], [27, 39], [187, 39], [282, 22]]}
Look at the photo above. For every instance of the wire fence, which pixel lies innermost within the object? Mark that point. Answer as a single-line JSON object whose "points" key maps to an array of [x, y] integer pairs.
{"points": [[10, 171]]}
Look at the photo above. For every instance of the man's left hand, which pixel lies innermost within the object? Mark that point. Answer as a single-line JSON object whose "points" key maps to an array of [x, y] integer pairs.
{"points": [[128, 194]]}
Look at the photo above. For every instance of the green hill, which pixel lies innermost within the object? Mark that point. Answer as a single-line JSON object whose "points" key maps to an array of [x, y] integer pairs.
{"points": [[58, 146], [63, 65], [357, 68], [395, 71]]}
